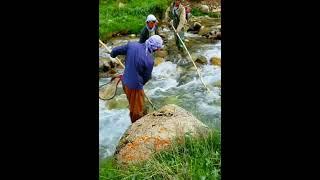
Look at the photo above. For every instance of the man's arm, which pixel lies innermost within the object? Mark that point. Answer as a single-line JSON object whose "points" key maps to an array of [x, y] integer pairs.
{"points": [[147, 72], [120, 50]]}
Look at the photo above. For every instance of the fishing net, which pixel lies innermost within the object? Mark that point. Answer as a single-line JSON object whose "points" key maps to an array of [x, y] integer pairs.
{"points": [[109, 90]]}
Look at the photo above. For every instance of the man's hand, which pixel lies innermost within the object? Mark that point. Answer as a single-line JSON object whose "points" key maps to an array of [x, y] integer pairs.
{"points": [[113, 59], [178, 30]]}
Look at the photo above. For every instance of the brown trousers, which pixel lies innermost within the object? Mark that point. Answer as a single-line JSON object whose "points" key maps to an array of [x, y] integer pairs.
{"points": [[136, 102]]}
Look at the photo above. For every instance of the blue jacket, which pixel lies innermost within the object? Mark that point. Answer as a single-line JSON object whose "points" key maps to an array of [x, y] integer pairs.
{"points": [[138, 64]]}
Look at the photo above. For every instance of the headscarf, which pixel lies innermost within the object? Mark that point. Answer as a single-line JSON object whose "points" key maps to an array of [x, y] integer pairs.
{"points": [[153, 43]]}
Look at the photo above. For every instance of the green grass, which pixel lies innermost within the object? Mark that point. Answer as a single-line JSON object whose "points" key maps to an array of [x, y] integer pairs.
{"points": [[129, 19], [194, 158], [197, 12]]}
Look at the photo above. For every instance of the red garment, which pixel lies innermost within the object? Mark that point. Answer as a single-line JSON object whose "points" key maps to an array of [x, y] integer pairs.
{"points": [[136, 102]]}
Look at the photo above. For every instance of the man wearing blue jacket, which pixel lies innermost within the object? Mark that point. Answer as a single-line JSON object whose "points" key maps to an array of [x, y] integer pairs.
{"points": [[138, 69]]}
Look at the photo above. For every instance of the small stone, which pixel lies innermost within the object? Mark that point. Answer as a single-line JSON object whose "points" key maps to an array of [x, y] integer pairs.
{"points": [[201, 60], [215, 61]]}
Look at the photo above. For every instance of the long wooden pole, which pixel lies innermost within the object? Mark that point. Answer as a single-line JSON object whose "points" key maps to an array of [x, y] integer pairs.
{"points": [[190, 57]]}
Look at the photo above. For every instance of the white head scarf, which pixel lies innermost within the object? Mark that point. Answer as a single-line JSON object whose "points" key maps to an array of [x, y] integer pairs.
{"points": [[154, 42]]}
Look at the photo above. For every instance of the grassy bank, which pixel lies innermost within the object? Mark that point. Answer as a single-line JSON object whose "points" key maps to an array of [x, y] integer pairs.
{"points": [[127, 19], [197, 12], [193, 159]]}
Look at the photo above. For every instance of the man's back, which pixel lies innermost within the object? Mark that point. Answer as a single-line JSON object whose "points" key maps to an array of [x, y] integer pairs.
{"points": [[138, 66]]}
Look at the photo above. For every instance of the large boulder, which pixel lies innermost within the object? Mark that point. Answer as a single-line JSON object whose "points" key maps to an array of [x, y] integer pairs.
{"points": [[204, 8], [156, 131]]}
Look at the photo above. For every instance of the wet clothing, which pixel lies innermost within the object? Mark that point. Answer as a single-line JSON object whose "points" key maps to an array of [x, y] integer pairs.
{"points": [[136, 102]]}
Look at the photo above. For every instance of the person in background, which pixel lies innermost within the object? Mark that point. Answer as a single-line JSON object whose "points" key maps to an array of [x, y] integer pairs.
{"points": [[150, 29], [177, 14]]}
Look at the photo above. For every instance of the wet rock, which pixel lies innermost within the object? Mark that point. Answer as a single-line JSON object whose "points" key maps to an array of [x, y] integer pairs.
{"points": [[132, 36], [161, 54], [195, 28], [112, 71], [215, 35], [218, 36], [205, 30], [100, 64], [103, 75], [104, 65], [217, 83], [215, 61], [156, 131], [216, 10], [201, 60], [158, 60]]}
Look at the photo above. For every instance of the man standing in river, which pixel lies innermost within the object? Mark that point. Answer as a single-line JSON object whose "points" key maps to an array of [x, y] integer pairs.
{"points": [[177, 13], [138, 69]]}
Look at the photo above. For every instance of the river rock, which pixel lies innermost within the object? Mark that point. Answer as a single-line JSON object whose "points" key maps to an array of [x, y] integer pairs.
{"points": [[132, 36], [100, 64], [195, 28], [161, 53], [171, 100], [215, 35], [216, 10], [103, 75], [104, 65], [204, 8], [217, 83], [156, 131], [204, 30], [112, 71], [158, 60], [201, 59], [218, 36], [215, 61]]}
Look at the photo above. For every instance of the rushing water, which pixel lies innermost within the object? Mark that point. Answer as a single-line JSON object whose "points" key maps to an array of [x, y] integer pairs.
{"points": [[170, 84]]}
